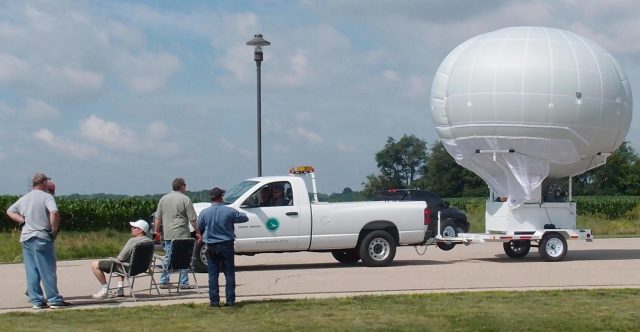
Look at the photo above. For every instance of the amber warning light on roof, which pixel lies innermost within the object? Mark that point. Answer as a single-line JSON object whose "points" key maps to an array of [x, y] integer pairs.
{"points": [[301, 170]]}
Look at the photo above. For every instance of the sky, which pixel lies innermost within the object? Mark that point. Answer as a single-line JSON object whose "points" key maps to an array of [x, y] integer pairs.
{"points": [[121, 97]]}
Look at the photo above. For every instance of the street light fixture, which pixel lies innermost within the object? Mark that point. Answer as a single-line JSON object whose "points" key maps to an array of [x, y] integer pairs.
{"points": [[258, 42]]}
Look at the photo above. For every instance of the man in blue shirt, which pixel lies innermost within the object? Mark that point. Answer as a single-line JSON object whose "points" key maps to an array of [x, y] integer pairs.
{"points": [[216, 224]]}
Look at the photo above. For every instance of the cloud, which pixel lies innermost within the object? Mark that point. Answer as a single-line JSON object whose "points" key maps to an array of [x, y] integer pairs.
{"points": [[147, 72], [67, 147], [39, 110], [309, 135], [6, 110], [107, 133], [157, 130], [75, 78], [12, 68]]}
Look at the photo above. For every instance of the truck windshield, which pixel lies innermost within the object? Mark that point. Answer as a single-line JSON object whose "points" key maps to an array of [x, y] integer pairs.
{"points": [[234, 193]]}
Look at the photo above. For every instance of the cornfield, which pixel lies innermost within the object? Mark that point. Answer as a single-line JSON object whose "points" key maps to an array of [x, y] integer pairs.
{"points": [[92, 214], [100, 214]]}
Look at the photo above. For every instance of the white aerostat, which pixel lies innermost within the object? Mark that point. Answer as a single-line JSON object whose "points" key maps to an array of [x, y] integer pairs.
{"points": [[522, 104]]}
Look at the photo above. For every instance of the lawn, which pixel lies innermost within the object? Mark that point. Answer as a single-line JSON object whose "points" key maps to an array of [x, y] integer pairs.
{"points": [[569, 310]]}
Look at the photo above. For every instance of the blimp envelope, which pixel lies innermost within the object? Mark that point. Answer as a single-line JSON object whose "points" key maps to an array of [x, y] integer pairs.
{"points": [[521, 104]]}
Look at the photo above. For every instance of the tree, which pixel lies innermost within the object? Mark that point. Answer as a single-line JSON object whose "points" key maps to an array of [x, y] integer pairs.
{"points": [[619, 176], [448, 179], [402, 161]]}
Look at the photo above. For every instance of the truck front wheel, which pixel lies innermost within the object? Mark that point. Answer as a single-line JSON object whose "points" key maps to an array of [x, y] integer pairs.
{"points": [[377, 249], [349, 256]]}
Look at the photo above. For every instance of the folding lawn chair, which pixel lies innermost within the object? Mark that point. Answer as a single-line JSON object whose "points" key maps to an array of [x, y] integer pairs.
{"points": [[181, 258], [139, 265]]}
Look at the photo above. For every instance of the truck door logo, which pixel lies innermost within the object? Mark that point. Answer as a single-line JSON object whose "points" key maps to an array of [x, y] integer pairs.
{"points": [[272, 224]]}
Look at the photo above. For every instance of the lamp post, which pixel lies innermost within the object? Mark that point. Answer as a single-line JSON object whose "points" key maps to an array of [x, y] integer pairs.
{"points": [[258, 42]]}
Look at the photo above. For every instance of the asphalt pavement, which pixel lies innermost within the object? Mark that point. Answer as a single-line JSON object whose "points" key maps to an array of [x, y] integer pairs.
{"points": [[603, 263]]}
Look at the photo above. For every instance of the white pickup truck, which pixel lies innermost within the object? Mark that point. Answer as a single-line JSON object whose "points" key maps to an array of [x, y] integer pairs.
{"points": [[367, 231]]}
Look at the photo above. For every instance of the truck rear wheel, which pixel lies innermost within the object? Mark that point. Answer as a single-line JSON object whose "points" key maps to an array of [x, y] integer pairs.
{"points": [[553, 247], [377, 249], [349, 256], [517, 248], [200, 258], [447, 229]]}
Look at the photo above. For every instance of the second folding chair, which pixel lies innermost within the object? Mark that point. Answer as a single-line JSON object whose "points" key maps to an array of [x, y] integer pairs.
{"points": [[181, 258]]}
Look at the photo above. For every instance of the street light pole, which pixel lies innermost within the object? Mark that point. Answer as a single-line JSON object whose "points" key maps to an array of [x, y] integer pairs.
{"points": [[258, 42]]}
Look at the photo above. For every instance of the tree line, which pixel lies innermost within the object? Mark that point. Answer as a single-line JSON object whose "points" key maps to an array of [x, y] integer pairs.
{"points": [[412, 163]]}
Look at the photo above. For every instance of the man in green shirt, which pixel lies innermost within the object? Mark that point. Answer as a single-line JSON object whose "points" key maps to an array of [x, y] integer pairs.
{"points": [[175, 212]]}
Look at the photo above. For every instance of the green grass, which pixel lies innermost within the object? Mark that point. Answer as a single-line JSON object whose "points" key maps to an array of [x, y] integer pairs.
{"points": [[571, 310], [69, 245]]}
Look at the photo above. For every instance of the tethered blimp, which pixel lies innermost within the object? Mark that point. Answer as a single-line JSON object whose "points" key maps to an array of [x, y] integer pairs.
{"points": [[520, 105], [557, 101]]}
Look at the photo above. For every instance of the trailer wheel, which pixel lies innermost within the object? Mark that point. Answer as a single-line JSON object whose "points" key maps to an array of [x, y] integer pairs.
{"points": [[553, 247], [200, 258], [517, 248], [349, 256], [377, 249], [447, 229]]}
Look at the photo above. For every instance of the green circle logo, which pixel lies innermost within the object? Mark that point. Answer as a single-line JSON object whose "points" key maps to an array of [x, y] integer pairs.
{"points": [[273, 224]]}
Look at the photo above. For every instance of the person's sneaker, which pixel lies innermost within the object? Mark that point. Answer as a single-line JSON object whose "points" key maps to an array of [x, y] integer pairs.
{"points": [[38, 306], [230, 304], [164, 286], [187, 287], [214, 304], [60, 305], [102, 294], [119, 292]]}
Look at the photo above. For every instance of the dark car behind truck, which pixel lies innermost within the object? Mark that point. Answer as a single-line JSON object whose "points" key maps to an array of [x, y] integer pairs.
{"points": [[449, 215]]}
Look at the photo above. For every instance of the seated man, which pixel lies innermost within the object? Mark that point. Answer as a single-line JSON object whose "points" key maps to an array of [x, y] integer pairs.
{"points": [[139, 231], [277, 191]]}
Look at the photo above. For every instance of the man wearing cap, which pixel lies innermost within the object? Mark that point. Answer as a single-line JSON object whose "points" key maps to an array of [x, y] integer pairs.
{"points": [[216, 224], [37, 213], [139, 230], [277, 192], [175, 212]]}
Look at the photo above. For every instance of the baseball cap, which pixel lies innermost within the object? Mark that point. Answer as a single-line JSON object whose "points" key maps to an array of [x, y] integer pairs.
{"points": [[216, 193], [39, 178], [143, 225]]}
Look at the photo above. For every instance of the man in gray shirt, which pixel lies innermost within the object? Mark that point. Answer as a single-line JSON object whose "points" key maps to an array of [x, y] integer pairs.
{"points": [[37, 212], [175, 212]]}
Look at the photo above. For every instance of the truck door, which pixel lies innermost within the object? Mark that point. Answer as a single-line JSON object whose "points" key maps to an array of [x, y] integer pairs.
{"points": [[274, 221]]}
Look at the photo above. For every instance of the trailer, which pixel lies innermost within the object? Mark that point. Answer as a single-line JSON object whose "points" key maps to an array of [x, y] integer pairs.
{"points": [[547, 224]]}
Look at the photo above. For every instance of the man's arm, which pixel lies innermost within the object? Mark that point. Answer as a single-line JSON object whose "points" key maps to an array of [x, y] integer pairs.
{"points": [[54, 217], [16, 217], [194, 224]]}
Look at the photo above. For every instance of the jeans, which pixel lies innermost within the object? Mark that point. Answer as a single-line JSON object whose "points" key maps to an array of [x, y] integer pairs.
{"points": [[40, 266], [164, 277], [221, 256]]}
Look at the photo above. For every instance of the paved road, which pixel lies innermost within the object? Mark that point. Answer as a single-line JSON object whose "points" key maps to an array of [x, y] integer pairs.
{"points": [[604, 263]]}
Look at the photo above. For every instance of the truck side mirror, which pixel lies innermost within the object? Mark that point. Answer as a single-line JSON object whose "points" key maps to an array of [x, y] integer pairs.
{"points": [[446, 204]]}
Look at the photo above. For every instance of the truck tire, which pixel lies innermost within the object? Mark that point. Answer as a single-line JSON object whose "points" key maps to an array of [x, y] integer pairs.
{"points": [[447, 228], [377, 248], [517, 248], [200, 258], [553, 247], [349, 256]]}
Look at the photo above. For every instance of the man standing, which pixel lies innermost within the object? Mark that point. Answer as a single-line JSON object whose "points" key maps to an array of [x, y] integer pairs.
{"points": [[216, 223], [175, 212], [37, 213]]}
